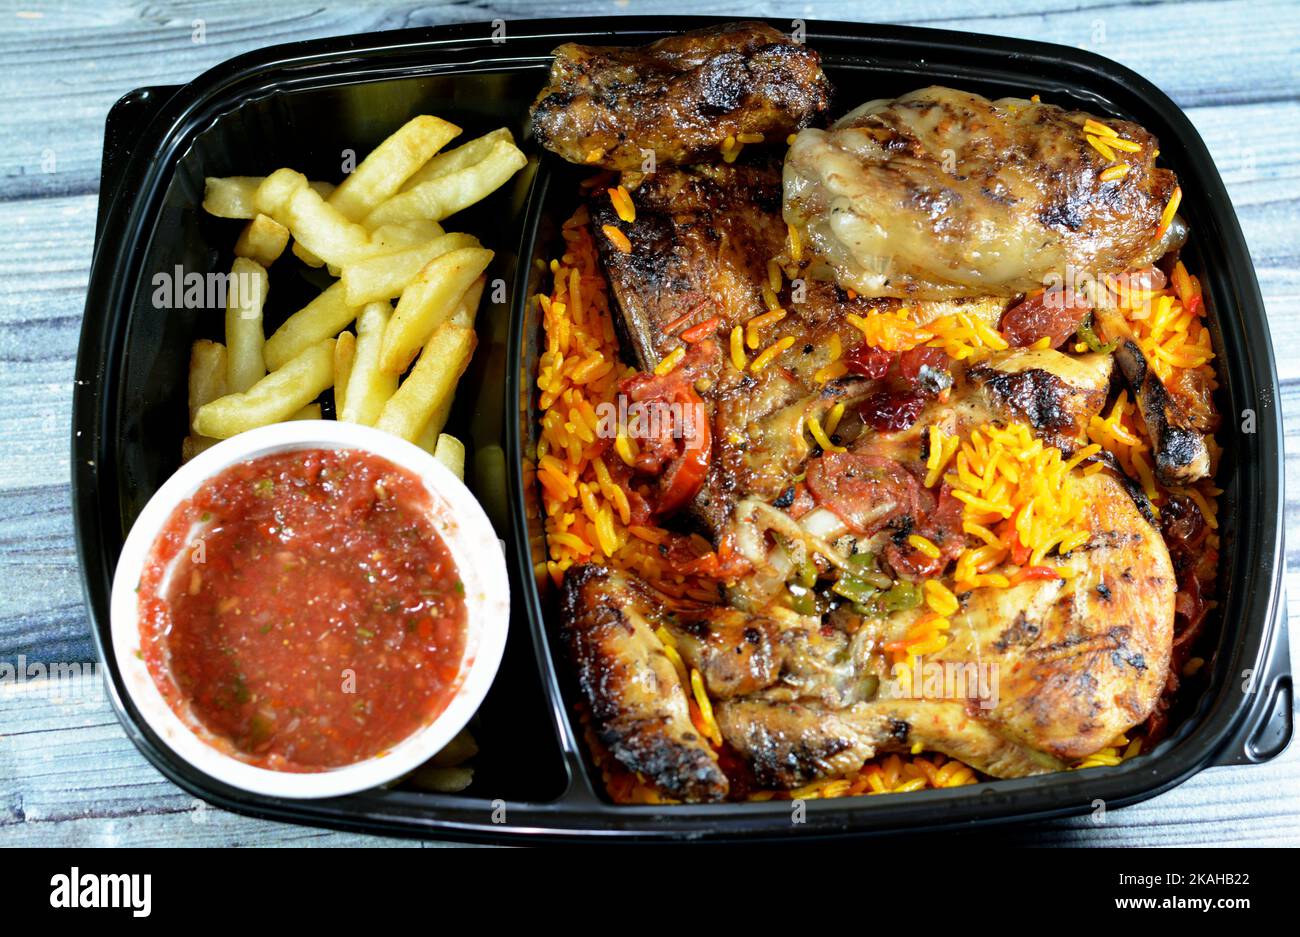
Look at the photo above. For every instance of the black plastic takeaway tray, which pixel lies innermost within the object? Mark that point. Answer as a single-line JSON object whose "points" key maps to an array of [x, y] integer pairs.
{"points": [[303, 104]]}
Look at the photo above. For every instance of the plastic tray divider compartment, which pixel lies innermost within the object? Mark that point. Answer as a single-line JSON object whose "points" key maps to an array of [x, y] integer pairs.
{"points": [[1227, 724], [152, 133]]}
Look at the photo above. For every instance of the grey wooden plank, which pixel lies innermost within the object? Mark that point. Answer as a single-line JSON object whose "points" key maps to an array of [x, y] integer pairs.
{"points": [[69, 777], [74, 62]]}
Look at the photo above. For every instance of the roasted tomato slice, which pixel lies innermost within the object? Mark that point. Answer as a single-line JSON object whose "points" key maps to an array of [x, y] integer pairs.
{"points": [[673, 436], [866, 492], [942, 527], [1054, 314]]}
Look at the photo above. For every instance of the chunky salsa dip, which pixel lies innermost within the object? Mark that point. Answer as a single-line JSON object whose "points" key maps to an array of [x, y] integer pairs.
{"points": [[314, 617]]}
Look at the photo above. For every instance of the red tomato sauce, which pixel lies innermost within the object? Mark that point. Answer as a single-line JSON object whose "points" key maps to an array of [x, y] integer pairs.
{"points": [[316, 618]]}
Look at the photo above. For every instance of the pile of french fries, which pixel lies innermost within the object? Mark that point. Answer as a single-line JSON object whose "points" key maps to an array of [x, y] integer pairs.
{"points": [[379, 233]]}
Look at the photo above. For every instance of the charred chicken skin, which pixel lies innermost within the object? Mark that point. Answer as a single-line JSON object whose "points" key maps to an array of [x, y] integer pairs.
{"points": [[679, 98], [975, 203]]}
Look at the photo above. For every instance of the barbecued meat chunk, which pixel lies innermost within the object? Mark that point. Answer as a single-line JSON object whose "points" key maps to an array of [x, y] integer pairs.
{"points": [[942, 193], [1177, 435], [700, 246], [638, 703], [680, 97]]}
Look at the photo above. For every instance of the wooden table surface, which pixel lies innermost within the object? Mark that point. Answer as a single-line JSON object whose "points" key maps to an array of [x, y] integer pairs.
{"points": [[68, 775]]}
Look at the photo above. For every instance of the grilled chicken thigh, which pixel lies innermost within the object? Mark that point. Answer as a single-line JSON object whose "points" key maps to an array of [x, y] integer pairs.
{"points": [[941, 193], [680, 97]]}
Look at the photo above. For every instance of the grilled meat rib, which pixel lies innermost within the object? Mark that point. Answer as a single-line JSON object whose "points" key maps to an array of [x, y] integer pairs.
{"points": [[941, 193], [680, 97]]}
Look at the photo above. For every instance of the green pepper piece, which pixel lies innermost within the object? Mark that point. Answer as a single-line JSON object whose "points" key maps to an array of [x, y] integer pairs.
{"points": [[803, 601], [1089, 337], [901, 596], [854, 589]]}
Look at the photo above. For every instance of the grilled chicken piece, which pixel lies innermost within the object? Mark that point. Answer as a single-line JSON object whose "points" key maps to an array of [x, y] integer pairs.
{"points": [[701, 243], [737, 654], [1177, 438], [680, 97], [638, 704], [1079, 661], [791, 744], [941, 193], [1067, 665], [1054, 393]]}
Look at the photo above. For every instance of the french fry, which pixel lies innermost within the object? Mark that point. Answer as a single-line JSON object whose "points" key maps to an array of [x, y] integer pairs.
{"points": [[390, 164], [459, 750], [232, 196], [466, 310], [369, 386], [430, 383], [428, 302], [324, 317], [345, 352], [273, 399], [245, 295], [306, 256], [467, 154], [207, 382], [383, 172], [383, 240], [445, 195], [207, 373], [441, 780], [439, 418], [391, 237], [310, 412], [316, 225], [428, 438], [384, 276], [263, 239], [193, 445], [450, 451]]}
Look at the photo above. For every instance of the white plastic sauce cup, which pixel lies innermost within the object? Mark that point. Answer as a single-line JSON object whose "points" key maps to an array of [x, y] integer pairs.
{"points": [[459, 521]]}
